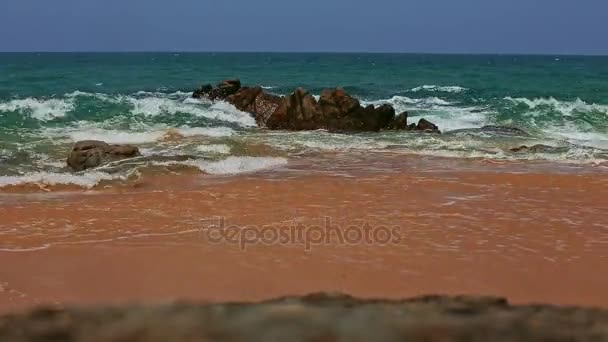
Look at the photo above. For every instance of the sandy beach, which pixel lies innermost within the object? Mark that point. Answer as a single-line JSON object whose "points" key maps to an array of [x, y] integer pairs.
{"points": [[531, 232]]}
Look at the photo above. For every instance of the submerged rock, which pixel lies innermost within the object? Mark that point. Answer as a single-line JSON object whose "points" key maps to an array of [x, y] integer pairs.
{"points": [[335, 110], [93, 153], [539, 148], [316, 317], [493, 130]]}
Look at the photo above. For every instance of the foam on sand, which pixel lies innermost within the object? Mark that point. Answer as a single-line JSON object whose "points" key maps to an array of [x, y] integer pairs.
{"points": [[84, 180], [214, 148], [237, 165]]}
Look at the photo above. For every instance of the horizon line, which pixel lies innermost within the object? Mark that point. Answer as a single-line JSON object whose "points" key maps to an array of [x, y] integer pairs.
{"points": [[540, 54]]}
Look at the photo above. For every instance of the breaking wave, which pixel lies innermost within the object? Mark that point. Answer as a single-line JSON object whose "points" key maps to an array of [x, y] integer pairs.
{"points": [[143, 135], [86, 180], [237, 165], [567, 108], [147, 104], [40, 109], [434, 88]]}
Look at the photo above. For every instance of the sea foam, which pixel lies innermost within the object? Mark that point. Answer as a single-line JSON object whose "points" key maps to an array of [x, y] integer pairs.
{"points": [[433, 88], [85, 180], [237, 165], [40, 109], [214, 148], [85, 130], [567, 108]]}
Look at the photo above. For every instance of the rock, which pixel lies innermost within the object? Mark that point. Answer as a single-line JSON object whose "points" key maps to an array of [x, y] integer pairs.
{"points": [[399, 122], [203, 91], [297, 111], [257, 102], [227, 88], [504, 130], [337, 103], [540, 148], [315, 317], [427, 126], [172, 134], [92, 153], [343, 112], [492, 130], [220, 92], [335, 110]]}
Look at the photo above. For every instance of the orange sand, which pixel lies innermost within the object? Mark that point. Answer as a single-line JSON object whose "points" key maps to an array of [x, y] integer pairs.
{"points": [[532, 237]]}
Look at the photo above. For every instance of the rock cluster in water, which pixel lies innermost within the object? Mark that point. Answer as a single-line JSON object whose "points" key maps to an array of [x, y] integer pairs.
{"points": [[335, 110], [317, 317]]}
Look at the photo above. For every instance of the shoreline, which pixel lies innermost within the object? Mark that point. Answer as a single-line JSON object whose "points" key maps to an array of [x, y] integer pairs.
{"points": [[337, 163], [469, 227]]}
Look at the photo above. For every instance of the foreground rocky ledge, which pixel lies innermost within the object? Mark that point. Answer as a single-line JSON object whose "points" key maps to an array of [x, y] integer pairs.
{"points": [[335, 110], [317, 317]]}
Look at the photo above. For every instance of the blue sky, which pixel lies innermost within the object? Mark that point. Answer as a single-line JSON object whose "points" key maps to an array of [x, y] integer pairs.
{"points": [[437, 26]]}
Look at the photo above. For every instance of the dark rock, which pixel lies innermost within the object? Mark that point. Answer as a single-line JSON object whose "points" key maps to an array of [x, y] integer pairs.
{"points": [[427, 126], [538, 149], [504, 130], [336, 110], [492, 130], [399, 122], [316, 317], [203, 91], [297, 111], [257, 102], [220, 92], [92, 153]]}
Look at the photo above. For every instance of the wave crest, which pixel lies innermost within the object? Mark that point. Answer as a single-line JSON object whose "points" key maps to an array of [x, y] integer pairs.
{"points": [[40, 109], [434, 88]]}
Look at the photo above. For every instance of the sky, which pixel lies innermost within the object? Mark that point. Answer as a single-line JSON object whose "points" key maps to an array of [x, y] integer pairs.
{"points": [[431, 26]]}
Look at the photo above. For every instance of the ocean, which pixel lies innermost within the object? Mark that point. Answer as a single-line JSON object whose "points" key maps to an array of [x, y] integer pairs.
{"points": [[50, 100]]}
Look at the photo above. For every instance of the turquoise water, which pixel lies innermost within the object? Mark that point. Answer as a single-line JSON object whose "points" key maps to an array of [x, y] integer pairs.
{"points": [[47, 101]]}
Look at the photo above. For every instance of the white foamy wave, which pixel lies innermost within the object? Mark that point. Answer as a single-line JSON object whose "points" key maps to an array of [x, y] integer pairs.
{"points": [[575, 136], [157, 103], [221, 111], [215, 132], [85, 130], [214, 148], [441, 112], [268, 87], [117, 137], [455, 118], [565, 107], [40, 109], [433, 88], [99, 96], [237, 165], [85, 180], [344, 145], [404, 103]]}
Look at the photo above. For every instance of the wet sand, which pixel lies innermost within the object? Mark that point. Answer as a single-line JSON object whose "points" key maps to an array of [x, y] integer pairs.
{"points": [[533, 234]]}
